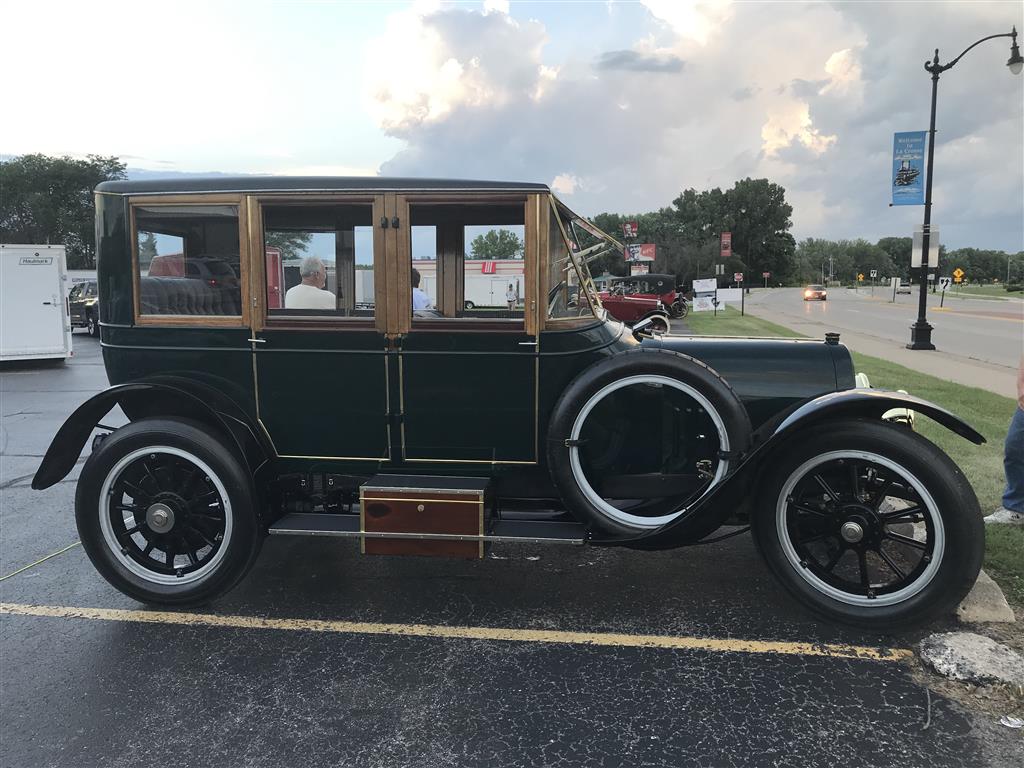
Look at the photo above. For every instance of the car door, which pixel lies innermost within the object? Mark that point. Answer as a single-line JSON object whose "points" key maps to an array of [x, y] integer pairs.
{"points": [[319, 352], [468, 376]]}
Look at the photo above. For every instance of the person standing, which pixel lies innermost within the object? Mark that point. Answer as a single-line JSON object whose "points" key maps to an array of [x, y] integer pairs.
{"points": [[1012, 510], [511, 298]]}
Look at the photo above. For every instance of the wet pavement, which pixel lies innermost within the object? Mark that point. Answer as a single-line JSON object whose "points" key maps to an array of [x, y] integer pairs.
{"points": [[131, 686]]}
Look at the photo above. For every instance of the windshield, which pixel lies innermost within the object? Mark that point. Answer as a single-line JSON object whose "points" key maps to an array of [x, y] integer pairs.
{"points": [[587, 242]]}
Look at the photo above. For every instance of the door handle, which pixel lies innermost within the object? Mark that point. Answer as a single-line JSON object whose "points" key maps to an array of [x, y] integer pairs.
{"points": [[527, 343], [48, 303], [257, 341]]}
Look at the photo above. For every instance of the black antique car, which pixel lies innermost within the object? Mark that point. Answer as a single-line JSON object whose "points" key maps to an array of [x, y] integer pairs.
{"points": [[367, 401]]}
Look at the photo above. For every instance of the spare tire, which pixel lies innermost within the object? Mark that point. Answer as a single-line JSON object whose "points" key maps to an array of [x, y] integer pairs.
{"points": [[636, 438]]}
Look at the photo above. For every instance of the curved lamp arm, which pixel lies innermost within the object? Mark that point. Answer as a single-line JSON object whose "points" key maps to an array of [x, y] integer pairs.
{"points": [[934, 67]]}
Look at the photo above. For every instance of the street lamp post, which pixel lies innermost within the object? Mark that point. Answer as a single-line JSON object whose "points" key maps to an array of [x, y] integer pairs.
{"points": [[921, 330]]}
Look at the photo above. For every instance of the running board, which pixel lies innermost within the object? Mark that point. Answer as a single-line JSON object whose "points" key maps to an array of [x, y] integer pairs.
{"points": [[539, 531]]}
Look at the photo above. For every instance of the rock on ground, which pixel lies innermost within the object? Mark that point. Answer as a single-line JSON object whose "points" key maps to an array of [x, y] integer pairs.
{"points": [[985, 603], [973, 658]]}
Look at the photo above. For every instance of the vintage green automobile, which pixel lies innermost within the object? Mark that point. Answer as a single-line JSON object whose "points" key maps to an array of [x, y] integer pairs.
{"points": [[302, 356]]}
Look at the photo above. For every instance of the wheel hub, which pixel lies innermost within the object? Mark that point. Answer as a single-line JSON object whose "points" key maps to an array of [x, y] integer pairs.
{"points": [[851, 532], [160, 517]]}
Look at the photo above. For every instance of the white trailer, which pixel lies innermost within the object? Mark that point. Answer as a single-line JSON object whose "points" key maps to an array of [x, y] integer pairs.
{"points": [[34, 319]]}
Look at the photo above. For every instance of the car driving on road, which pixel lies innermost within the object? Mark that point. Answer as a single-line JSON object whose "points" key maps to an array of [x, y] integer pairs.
{"points": [[448, 430], [815, 293]]}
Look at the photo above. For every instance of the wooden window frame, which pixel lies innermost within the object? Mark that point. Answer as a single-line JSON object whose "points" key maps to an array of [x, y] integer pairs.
{"points": [[241, 320], [401, 320], [261, 317]]}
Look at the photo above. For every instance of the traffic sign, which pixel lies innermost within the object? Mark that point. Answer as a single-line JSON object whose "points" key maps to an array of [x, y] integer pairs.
{"points": [[766, 275], [944, 282], [860, 277], [874, 273], [737, 277], [958, 273], [957, 279]]}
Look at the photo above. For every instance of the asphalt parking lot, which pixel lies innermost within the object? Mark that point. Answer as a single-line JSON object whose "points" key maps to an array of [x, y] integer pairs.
{"points": [[532, 657]]}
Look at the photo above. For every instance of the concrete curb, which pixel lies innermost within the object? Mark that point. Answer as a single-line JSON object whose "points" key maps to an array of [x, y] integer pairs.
{"points": [[985, 603]]}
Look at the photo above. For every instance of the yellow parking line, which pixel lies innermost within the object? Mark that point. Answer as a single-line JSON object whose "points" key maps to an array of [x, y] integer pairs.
{"points": [[667, 642]]}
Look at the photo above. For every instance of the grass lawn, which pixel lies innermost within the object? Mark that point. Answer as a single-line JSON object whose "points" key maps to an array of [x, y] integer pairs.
{"points": [[979, 292], [987, 412], [729, 322]]}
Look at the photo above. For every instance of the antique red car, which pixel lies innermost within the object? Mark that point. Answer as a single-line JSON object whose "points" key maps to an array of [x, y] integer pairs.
{"points": [[652, 286], [631, 309]]}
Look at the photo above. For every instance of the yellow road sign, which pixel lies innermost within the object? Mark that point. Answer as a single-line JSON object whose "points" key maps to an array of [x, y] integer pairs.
{"points": [[957, 278], [958, 273], [860, 276]]}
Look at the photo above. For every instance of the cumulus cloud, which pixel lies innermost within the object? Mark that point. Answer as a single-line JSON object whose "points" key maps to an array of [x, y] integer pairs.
{"points": [[810, 99], [564, 184]]}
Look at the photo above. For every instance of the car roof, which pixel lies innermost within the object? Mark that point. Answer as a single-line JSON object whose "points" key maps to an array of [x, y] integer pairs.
{"points": [[184, 184]]}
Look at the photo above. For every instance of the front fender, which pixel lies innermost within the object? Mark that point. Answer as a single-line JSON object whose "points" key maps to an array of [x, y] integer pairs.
{"points": [[70, 439], [728, 495], [871, 403]]}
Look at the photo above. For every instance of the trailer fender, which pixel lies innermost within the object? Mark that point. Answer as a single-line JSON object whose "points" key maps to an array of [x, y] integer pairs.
{"points": [[138, 400]]}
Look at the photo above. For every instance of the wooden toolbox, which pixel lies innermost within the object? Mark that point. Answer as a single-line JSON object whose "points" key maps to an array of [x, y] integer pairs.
{"points": [[421, 511]]}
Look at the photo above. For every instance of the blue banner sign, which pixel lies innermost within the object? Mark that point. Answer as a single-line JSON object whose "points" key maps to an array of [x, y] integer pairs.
{"points": [[908, 168]]}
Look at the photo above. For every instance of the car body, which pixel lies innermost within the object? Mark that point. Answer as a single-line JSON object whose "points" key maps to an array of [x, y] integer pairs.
{"points": [[651, 286], [904, 286], [409, 423], [815, 293], [83, 304], [633, 309]]}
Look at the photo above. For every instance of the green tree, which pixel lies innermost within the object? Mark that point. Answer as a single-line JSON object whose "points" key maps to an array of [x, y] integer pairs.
{"points": [[50, 200], [496, 244], [147, 247], [291, 244]]}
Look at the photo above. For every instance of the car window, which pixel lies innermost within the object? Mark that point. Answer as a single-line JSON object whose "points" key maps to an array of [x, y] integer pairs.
{"points": [[186, 256], [565, 297], [319, 259], [468, 261]]}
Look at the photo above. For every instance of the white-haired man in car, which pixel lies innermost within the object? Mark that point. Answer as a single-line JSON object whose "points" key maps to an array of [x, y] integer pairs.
{"points": [[310, 293]]}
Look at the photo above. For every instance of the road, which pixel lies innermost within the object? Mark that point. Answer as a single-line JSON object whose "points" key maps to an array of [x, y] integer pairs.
{"points": [[979, 342], [324, 657]]}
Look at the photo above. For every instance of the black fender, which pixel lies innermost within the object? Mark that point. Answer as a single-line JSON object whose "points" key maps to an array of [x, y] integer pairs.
{"points": [[146, 398], [733, 491], [870, 403]]}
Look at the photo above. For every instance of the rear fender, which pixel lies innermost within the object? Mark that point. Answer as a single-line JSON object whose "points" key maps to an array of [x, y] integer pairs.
{"points": [[139, 400], [733, 492]]}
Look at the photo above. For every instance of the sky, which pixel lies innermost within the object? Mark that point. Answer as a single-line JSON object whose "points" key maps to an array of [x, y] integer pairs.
{"points": [[618, 105]]}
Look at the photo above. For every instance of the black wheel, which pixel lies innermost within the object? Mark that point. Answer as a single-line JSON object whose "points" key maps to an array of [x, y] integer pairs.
{"points": [[637, 438], [167, 513], [684, 309], [676, 309], [91, 325], [470, 305], [870, 524]]}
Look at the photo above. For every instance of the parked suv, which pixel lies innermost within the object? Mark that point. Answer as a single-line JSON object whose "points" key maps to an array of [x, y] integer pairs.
{"points": [[83, 303]]}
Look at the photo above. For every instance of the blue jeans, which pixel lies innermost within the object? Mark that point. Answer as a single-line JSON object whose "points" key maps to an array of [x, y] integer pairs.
{"points": [[1013, 464]]}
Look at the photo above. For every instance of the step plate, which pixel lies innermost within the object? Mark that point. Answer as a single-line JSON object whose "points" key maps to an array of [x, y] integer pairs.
{"points": [[315, 524]]}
